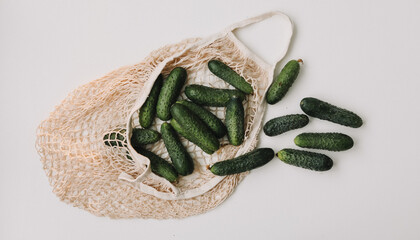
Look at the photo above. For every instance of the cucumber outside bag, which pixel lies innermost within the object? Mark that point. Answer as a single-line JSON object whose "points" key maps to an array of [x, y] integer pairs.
{"points": [[117, 181]]}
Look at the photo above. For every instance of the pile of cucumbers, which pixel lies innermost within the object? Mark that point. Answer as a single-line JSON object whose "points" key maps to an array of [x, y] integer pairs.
{"points": [[331, 141], [190, 119], [313, 107]]}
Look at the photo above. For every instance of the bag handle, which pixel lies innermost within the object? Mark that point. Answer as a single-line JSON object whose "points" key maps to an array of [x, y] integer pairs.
{"points": [[288, 31]]}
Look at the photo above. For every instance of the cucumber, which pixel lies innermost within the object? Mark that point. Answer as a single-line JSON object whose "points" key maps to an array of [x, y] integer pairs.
{"points": [[147, 112], [286, 123], [192, 124], [323, 110], [181, 159], [170, 91], [139, 137], [208, 96], [144, 136], [117, 138], [283, 82], [246, 162], [224, 72], [305, 159], [326, 141], [189, 137], [235, 121], [214, 123], [159, 165]]}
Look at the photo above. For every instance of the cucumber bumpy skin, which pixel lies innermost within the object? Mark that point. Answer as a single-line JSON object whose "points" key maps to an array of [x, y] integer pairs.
{"points": [[235, 121], [141, 137], [190, 137], [180, 158], [170, 91], [213, 122], [224, 72], [194, 126], [246, 162], [214, 97], [323, 110], [283, 82], [286, 123], [159, 165], [147, 111], [325, 141], [304, 159]]}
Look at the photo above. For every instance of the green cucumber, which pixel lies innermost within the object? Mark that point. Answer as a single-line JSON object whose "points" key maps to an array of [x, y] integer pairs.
{"points": [[180, 158], [147, 111], [170, 91], [190, 137], [208, 96], [141, 136], [192, 124], [323, 110], [213, 122], [117, 138], [243, 163], [305, 159], [159, 165], [235, 121], [224, 72], [286, 123], [326, 141], [283, 82]]}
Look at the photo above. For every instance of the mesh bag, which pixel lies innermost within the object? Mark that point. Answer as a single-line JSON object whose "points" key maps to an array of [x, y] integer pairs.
{"points": [[116, 181]]}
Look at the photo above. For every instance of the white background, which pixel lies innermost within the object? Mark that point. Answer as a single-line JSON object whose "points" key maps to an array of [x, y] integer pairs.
{"points": [[361, 55]]}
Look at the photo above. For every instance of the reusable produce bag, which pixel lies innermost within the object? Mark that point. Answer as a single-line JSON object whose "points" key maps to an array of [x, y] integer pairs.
{"points": [[116, 181]]}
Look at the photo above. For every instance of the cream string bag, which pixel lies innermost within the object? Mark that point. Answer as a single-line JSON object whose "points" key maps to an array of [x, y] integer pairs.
{"points": [[116, 181]]}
